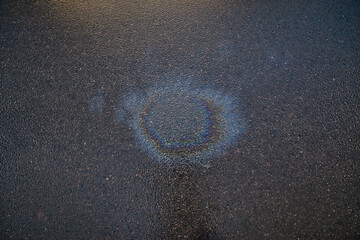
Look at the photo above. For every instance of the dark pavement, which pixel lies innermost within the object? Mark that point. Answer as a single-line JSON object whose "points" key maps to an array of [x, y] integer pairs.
{"points": [[72, 168]]}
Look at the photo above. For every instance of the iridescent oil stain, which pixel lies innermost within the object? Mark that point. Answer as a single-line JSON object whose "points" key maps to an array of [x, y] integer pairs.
{"points": [[181, 124], [176, 124]]}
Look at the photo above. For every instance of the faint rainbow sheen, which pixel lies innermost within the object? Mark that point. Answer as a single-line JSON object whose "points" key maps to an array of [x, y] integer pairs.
{"points": [[180, 124]]}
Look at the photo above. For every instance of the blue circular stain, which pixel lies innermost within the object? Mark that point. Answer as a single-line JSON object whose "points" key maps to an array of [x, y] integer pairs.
{"points": [[177, 124]]}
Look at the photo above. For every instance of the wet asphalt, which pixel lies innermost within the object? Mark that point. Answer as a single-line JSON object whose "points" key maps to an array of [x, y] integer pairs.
{"points": [[72, 168]]}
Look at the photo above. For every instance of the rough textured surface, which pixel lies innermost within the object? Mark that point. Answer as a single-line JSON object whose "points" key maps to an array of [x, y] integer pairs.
{"points": [[70, 170]]}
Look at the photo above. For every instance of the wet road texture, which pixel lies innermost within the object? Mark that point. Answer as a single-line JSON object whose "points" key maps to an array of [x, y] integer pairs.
{"points": [[179, 119]]}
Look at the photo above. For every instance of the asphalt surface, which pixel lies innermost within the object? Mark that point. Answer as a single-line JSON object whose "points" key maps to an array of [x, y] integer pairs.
{"points": [[72, 168]]}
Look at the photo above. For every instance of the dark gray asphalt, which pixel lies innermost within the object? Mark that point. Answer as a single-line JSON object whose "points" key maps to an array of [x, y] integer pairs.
{"points": [[71, 167]]}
